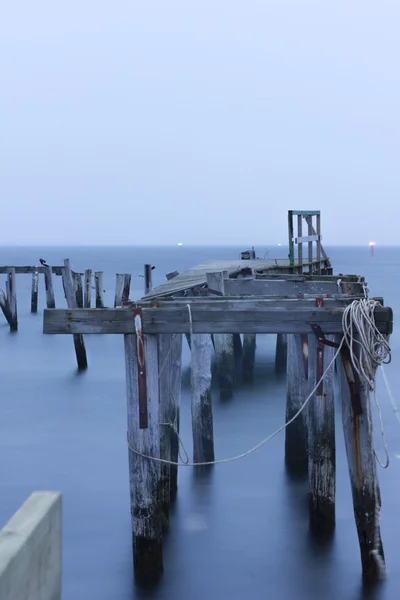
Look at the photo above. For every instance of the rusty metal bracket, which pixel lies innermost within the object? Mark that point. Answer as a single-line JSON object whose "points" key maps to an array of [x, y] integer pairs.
{"points": [[141, 363]]}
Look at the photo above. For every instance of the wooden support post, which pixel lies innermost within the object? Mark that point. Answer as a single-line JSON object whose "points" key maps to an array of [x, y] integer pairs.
{"points": [[98, 280], [12, 298], [249, 354], [148, 285], [357, 426], [48, 283], [78, 289], [202, 418], [318, 244], [144, 474], [237, 347], [79, 344], [169, 362], [224, 345], [281, 353], [321, 439], [5, 307], [119, 288], [88, 288], [296, 393], [310, 256], [300, 244], [126, 288], [34, 294]]}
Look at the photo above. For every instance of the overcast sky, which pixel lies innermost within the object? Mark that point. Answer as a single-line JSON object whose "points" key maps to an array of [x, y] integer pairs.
{"points": [[201, 121]]}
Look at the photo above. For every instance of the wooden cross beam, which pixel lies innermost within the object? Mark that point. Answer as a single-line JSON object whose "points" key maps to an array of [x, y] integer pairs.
{"points": [[24, 270], [248, 316]]}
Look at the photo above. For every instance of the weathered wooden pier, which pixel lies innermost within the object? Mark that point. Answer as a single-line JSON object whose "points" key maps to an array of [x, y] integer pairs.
{"points": [[214, 304]]}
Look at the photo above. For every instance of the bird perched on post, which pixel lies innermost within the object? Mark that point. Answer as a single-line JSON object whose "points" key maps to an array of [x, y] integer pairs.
{"points": [[43, 262]]}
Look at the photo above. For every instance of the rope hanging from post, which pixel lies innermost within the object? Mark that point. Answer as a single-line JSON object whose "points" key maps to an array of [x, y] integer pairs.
{"points": [[358, 320]]}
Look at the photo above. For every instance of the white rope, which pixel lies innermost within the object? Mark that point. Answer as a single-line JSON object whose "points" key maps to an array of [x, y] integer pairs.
{"points": [[358, 318], [257, 446]]}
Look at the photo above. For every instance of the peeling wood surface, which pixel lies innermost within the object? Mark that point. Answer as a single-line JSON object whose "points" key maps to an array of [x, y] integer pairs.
{"points": [[79, 343], [362, 471], [169, 362], [296, 393], [34, 292], [26, 270], [144, 474], [202, 417], [244, 319], [223, 345], [88, 288], [48, 284], [198, 274], [321, 438], [98, 281]]}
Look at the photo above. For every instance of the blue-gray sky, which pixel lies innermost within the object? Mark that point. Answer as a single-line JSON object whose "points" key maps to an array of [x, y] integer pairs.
{"points": [[201, 121]]}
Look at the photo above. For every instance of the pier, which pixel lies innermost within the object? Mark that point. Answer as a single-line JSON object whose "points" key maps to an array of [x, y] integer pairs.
{"points": [[221, 307]]}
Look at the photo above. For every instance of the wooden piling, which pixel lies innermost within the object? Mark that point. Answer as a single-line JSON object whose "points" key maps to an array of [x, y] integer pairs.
{"points": [[48, 283], [148, 284], [5, 307], [321, 439], [296, 459], [78, 289], [34, 293], [237, 347], [223, 345], [88, 288], [119, 288], [169, 362], [126, 288], [357, 426], [12, 298], [144, 474], [70, 296], [281, 353], [202, 418], [249, 354], [98, 279]]}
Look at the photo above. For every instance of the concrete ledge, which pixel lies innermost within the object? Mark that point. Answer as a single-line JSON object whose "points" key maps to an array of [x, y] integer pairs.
{"points": [[30, 550]]}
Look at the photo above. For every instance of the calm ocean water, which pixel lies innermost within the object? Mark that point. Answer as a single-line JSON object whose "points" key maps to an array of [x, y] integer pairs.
{"points": [[242, 532]]}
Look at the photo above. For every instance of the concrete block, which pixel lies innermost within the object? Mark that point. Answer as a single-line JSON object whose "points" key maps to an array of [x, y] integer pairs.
{"points": [[30, 550]]}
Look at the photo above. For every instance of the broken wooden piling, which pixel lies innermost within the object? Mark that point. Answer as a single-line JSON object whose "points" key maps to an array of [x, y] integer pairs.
{"points": [[88, 288], [12, 299], [143, 434], [48, 283], [223, 343], [296, 459], [321, 437], [119, 288], [78, 289], [148, 283], [169, 361], [202, 417], [5, 307], [122, 287], [98, 280], [357, 426], [34, 293], [70, 296], [281, 353]]}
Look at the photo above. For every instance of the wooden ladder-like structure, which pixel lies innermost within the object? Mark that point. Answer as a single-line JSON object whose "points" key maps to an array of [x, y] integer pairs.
{"points": [[321, 261]]}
